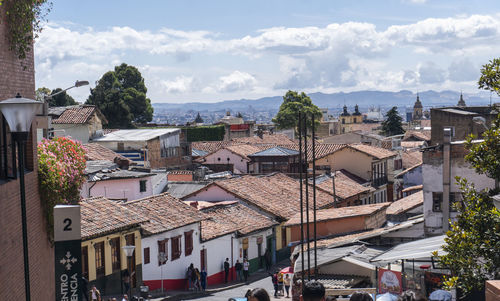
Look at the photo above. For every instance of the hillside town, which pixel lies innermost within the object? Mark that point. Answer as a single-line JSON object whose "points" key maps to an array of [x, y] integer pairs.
{"points": [[103, 203]]}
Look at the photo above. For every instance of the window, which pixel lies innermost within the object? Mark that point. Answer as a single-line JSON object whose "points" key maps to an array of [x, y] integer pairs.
{"points": [[455, 197], [85, 262], [354, 119], [146, 255], [398, 164], [115, 253], [188, 242], [142, 186], [162, 249], [437, 199], [283, 237], [99, 259], [176, 247], [343, 120]]}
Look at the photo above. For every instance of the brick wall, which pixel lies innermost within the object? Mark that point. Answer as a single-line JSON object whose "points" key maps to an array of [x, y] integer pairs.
{"points": [[13, 79], [157, 161]]}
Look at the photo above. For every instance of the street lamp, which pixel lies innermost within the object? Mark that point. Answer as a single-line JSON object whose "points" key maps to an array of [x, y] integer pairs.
{"points": [[129, 251], [78, 83], [19, 113]]}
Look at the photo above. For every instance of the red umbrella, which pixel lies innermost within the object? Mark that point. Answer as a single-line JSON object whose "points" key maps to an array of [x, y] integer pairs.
{"points": [[287, 270]]}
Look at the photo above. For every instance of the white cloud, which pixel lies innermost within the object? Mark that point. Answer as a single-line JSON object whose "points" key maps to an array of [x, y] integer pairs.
{"points": [[236, 81], [310, 58]]}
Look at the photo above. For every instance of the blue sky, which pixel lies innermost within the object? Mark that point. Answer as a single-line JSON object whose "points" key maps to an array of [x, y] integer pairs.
{"points": [[216, 50]]}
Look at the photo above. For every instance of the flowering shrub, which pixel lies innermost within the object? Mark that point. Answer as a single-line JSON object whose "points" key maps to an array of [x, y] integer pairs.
{"points": [[61, 167]]}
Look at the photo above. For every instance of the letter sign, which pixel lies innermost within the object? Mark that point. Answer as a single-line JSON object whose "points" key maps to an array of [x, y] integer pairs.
{"points": [[68, 252]]}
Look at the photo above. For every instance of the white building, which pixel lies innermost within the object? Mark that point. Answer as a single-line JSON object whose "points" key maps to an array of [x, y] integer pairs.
{"points": [[233, 158], [441, 164], [80, 122]]}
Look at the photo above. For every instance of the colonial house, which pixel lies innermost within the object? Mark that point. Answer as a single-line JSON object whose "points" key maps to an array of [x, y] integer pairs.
{"points": [[232, 158], [81, 122], [105, 178], [18, 76], [106, 227], [244, 228], [275, 159], [374, 164], [335, 221], [274, 195], [154, 148], [170, 240]]}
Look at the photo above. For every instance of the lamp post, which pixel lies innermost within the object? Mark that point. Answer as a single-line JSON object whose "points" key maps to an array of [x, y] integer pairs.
{"points": [[78, 83], [129, 251], [19, 113]]}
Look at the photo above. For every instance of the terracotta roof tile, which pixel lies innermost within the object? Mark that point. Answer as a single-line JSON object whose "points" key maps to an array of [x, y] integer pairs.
{"points": [[411, 158], [210, 146], [322, 149], [266, 139], [345, 187], [407, 203], [412, 144], [243, 150], [412, 135], [100, 216], [339, 213], [369, 127], [75, 115], [277, 193], [164, 213], [413, 188], [377, 152], [180, 172], [97, 152], [229, 218], [348, 238]]}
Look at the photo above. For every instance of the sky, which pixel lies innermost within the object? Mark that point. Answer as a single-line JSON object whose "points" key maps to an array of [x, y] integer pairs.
{"points": [[211, 51]]}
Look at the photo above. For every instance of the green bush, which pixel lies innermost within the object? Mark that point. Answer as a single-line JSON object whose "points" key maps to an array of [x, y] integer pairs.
{"points": [[205, 133]]}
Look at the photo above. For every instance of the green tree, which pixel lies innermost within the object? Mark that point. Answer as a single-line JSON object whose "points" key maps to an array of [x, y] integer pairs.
{"points": [[198, 119], [490, 76], [392, 124], [60, 100], [41, 93], [293, 103], [121, 97]]}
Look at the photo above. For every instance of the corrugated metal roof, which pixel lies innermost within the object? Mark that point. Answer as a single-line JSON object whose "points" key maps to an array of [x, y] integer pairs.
{"points": [[136, 135], [198, 152], [275, 151], [180, 190], [417, 249]]}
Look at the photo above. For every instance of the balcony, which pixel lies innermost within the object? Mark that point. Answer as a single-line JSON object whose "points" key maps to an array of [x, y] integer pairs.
{"points": [[379, 181]]}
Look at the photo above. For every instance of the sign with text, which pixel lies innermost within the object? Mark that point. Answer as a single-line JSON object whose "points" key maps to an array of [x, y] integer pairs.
{"points": [[389, 282], [68, 252]]}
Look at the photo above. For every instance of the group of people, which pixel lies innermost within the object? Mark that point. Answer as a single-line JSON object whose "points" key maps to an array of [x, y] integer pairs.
{"points": [[197, 280], [315, 291], [281, 283], [241, 270]]}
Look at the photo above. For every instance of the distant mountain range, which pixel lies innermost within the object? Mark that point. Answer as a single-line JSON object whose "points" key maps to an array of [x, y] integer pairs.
{"points": [[364, 99]]}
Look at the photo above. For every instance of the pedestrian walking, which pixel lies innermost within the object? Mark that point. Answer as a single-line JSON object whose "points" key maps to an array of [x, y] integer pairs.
{"points": [[203, 279], [286, 282], [246, 266], [226, 270], [189, 276], [85, 291], [95, 295], [239, 270], [197, 280], [274, 279]]}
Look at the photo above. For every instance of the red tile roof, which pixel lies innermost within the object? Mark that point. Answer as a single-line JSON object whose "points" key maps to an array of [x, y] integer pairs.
{"points": [[229, 218], [210, 146], [97, 152], [243, 150], [77, 115], [407, 203], [412, 135], [374, 151], [164, 213], [276, 194], [345, 187], [340, 213], [411, 158], [413, 188], [100, 216], [266, 139]]}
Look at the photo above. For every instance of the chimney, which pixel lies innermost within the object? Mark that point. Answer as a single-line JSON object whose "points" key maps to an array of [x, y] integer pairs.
{"points": [[447, 133]]}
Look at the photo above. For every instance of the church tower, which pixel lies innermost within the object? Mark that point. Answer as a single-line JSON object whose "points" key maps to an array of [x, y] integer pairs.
{"points": [[461, 102], [417, 109]]}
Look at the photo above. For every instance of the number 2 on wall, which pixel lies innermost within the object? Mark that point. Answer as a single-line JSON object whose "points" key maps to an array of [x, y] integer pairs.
{"points": [[67, 222]]}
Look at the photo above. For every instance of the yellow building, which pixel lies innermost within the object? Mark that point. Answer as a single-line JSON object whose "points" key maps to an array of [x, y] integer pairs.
{"points": [[346, 120], [106, 228]]}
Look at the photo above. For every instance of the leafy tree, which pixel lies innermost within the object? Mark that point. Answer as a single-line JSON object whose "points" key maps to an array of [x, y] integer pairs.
{"points": [[392, 124], [485, 156], [198, 118], [41, 93], [490, 76], [60, 100], [121, 97], [293, 103]]}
